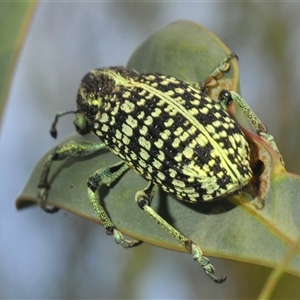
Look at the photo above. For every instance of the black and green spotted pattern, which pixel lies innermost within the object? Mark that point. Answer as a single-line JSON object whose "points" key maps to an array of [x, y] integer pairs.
{"points": [[168, 131]]}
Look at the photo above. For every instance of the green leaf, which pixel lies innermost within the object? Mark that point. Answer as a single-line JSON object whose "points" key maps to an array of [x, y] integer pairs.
{"points": [[186, 51], [15, 19], [222, 228]]}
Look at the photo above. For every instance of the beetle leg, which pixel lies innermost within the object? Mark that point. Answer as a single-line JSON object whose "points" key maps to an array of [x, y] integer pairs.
{"points": [[70, 149], [222, 68], [107, 176], [257, 124], [143, 199]]}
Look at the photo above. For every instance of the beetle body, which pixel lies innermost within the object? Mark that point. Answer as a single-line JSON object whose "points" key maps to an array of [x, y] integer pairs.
{"points": [[166, 130], [169, 132]]}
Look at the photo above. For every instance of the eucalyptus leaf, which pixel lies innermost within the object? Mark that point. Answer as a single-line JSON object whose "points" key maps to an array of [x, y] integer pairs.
{"points": [[224, 228], [186, 51]]}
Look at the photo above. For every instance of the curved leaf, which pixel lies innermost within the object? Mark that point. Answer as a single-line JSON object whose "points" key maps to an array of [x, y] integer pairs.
{"points": [[222, 228], [186, 51]]}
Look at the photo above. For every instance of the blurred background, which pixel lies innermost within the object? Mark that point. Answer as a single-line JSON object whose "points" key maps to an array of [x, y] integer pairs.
{"points": [[65, 256]]}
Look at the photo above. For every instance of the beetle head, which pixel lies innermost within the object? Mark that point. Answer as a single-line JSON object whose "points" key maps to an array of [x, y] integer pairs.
{"points": [[97, 85]]}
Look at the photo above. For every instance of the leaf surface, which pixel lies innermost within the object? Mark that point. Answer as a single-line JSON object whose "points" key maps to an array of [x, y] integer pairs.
{"points": [[222, 228]]}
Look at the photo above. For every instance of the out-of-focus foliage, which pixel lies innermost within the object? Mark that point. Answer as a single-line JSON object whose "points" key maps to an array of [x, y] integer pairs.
{"points": [[15, 18]]}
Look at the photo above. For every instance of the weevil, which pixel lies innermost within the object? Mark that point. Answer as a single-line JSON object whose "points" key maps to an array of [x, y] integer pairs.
{"points": [[168, 131]]}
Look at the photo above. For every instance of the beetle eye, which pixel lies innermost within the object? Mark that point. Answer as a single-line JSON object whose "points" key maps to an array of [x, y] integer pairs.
{"points": [[82, 125]]}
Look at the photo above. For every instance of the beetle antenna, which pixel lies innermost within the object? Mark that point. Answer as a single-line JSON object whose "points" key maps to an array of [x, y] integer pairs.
{"points": [[53, 130]]}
